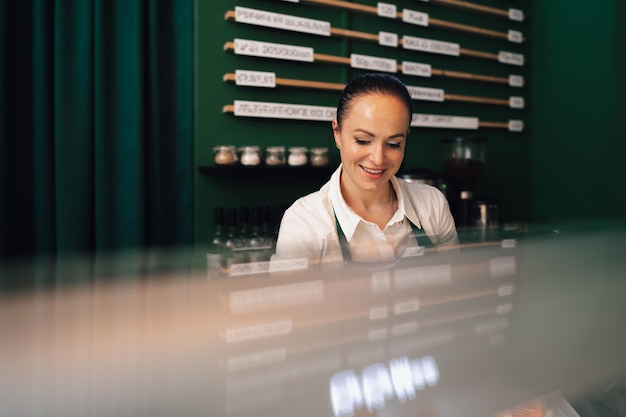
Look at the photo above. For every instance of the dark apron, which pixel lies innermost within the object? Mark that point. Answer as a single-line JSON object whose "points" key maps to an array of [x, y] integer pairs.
{"points": [[422, 240]]}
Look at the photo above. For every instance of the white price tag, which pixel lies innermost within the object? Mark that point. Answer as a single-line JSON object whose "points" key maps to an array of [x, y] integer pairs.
{"points": [[444, 121], [511, 58], [415, 68], [516, 102], [282, 21], [387, 10], [283, 111], [373, 63], [426, 94], [255, 78], [432, 46], [516, 15], [515, 36], [516, 81], [414, 17], [516, 125], [388, 39], [273, 50]]}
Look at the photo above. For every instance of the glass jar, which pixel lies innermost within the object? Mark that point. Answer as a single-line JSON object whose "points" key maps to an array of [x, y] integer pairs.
{"points": [[250, 155], [297, 156], [225, 155], [319, 157], [275, 155]]}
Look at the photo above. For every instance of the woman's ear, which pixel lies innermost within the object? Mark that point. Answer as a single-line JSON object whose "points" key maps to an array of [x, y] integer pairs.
{"points": [[336, 134]]}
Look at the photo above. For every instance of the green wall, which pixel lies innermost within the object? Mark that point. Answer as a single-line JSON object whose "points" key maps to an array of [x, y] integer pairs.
{"points": [[578, 135], [507, 173]]}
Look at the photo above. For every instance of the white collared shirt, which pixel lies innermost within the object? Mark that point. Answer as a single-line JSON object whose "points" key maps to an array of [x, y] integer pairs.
{"points": [[308, 228]]}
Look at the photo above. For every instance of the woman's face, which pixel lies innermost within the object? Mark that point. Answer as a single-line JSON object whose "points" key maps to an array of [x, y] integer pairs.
{"points": [[371, 140]]}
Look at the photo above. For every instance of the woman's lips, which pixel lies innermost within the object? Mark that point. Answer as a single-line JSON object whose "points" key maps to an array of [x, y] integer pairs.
{"points": [[373, 173]]}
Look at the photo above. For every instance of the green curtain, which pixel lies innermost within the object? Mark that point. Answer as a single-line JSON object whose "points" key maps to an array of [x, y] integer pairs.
{"points": [[96, 126]]}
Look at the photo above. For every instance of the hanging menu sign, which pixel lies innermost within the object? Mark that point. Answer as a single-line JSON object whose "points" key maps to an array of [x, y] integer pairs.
{"points": [[510, 58], [429, 45], [516, 81], [516, 102], [273, 50], [516, 15], [283, 111], [427, 94], [388, 39], [373, 63], [387, 10], [255, 78], [516, 126], [443, 121], [414, 17], [415, 68], [281, 21]]}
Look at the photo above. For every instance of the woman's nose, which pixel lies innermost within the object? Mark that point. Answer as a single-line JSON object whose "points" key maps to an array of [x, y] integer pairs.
{"points": [[378, 154]]}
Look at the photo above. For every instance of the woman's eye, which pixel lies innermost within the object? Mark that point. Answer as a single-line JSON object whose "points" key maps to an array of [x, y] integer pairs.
{"points": [[394, 145], [361, 142]]}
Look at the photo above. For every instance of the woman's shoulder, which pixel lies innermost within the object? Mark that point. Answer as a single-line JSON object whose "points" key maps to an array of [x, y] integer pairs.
{"points": [[419, 190], [314, 205]]}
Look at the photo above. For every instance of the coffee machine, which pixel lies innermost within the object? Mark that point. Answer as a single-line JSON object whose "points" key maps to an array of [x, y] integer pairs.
{"points": [[463, 164]]}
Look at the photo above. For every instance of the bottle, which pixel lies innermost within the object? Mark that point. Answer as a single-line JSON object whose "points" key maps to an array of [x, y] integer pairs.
{"points": [[216, 245], [232, 244], [258, 245]]}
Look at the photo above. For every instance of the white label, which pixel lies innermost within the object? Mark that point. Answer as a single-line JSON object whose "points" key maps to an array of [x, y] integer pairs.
{"points": [[376, 335], [504, 309], [238, 334], [249, 268], [505, 290], [388, 39], [423, 276], [414, 17], [256, 359], [283, 111], [516, 15], [292, 1], [400, 329], [255, 78], [282, 21], [289, 265], [406, 307], [510, 58], [502, 266], [378, 313], [427, 94], [509, 243], [273, 50], [516, 125], [381, 282], [415, 68], [432, 46], [259, 299], [515, 36], [443, 121], [373, 63], [516, 102], [516, 81], [387, 10]]}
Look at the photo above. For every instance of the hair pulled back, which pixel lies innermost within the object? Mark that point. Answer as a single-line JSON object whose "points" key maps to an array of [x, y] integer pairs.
{"points": [[369, 83]]}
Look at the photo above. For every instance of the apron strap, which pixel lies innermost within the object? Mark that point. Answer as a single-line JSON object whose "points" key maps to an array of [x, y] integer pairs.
{"points": [[420, 236]]}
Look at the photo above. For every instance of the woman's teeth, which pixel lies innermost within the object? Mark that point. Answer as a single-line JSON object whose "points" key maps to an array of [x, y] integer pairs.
{"points": [[373, 171]]}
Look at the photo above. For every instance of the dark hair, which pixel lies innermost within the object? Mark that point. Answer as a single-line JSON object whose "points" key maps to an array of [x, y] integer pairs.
{"points": [[372, 83]]}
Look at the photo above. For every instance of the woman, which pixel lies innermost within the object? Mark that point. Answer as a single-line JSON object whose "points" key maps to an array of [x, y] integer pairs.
{"points": [[364, 213]]}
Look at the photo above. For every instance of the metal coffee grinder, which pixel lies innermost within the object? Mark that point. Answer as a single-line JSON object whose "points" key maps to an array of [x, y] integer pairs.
{"points": [[463, 164]]}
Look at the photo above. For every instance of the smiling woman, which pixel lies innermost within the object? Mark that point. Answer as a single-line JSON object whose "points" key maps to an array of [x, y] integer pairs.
{"points": [[365, 213]]}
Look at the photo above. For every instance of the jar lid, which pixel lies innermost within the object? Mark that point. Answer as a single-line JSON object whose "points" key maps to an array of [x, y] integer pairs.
{"points": [[252, 148], [230, 148], [275, 149], [319, 150], [297, 149]]}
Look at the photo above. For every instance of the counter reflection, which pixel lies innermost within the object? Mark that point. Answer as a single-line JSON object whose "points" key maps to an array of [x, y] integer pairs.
{"points": [[469, 333]]}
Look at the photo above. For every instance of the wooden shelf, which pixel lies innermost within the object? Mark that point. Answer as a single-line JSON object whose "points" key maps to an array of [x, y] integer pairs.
{"points": [[265, 171]]}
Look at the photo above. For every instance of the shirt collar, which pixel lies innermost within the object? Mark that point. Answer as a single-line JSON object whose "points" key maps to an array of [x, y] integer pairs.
{"points": [[405, 207], [349, 220]]}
